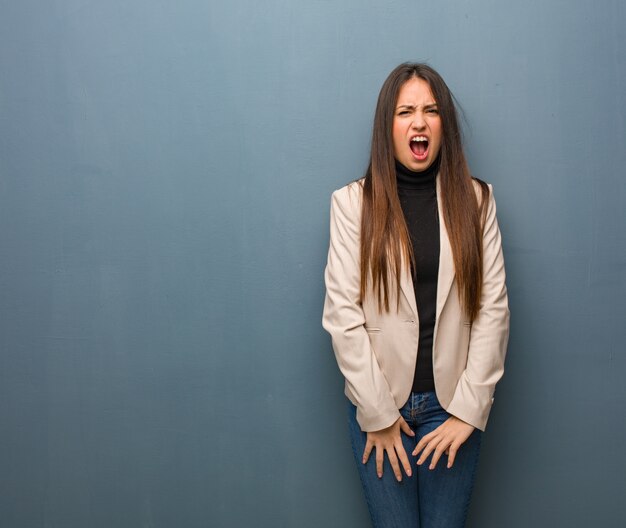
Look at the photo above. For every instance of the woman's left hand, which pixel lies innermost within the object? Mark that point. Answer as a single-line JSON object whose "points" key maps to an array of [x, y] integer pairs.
{"points": [[447, 438]]}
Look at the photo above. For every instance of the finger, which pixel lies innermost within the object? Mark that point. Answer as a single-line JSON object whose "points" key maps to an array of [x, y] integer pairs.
{"points": [[404, 460], [422, 444], [393, 460], [428, 449], [452, 454], [406, 429], [379, 462], [367, 451], [436, 456]]}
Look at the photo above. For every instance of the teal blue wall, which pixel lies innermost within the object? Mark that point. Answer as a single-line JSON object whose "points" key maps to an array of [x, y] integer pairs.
{"points": [[165, 174]]}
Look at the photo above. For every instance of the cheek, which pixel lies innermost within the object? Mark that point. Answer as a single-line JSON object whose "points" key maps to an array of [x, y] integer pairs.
{"points": [[438, 134], [397, 138]]}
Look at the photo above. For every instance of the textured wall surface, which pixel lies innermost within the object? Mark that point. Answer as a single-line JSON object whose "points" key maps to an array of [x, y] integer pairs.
{"points": [[165, 174]]}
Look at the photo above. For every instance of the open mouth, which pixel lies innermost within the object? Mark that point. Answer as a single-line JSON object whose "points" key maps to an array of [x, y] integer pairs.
{"points": [[419, 147]]}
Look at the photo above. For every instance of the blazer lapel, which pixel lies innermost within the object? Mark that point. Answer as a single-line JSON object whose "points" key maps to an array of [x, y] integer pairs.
{"points": [[406, 285], [446, 264]]}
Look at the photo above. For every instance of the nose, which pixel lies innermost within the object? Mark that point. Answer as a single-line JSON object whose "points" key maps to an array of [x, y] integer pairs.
{"points": [[418, 121]]}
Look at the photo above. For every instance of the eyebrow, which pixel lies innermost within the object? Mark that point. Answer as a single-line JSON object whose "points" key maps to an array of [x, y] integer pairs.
{"points": [[412, 107]]}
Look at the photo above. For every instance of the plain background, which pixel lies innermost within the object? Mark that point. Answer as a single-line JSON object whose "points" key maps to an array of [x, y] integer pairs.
{"points": [[165, 175]]}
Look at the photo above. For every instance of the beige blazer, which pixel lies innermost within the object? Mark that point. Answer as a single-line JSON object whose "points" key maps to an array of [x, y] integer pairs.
{"points": [[376, 352]]}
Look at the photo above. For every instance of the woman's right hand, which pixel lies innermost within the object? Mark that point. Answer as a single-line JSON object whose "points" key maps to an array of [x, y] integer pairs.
{"points": [[389, 440]]}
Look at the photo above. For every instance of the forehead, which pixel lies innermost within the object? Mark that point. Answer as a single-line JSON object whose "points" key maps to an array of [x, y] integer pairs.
{"points": [[415, 91]]}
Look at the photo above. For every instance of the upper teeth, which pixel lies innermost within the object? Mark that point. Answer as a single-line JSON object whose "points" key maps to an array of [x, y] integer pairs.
{"points": [[419, 138]]}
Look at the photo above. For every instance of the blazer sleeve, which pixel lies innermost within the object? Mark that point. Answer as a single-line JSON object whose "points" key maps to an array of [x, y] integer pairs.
{"points": [[489, 333], [344, 318]]}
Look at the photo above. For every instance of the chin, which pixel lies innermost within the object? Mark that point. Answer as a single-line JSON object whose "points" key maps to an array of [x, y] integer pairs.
{"points": [[418, 166]]}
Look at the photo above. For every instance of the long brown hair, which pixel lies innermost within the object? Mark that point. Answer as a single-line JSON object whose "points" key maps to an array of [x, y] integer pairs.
{"points": [[385, 241]]}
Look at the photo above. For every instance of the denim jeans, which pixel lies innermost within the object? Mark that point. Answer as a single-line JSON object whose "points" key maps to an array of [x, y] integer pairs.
{"points": [[428, 499]]}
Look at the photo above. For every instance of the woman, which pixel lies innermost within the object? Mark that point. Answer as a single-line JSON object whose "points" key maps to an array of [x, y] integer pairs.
{"points": [[417, 308]]}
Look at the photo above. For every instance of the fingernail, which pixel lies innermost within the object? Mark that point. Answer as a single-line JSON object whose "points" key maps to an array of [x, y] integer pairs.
{"points": [[380, 476]]}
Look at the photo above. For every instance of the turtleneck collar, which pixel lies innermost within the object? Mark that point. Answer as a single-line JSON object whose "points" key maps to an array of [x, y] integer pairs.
{"points": [[408, 179]]}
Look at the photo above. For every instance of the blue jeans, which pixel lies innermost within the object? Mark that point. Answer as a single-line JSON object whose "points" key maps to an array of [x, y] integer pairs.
{"points": [[428, 499]]}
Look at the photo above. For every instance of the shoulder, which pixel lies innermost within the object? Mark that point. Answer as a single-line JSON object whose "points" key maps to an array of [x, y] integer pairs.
{"points": [[349, 196], [349, 191], [345, 208], [482, 189], [484, 196]]}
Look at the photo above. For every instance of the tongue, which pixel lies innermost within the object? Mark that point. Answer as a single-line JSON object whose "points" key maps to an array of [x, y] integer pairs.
{"points": [[419, 147]]}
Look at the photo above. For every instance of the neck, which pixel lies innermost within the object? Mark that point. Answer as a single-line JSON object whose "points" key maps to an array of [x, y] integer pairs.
{"points": [[408, 179]]}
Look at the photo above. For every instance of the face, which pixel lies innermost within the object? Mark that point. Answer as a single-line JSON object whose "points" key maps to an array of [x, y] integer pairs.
{"points": [[416, 126]]}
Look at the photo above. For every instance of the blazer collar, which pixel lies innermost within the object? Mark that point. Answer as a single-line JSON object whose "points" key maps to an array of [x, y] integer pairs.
{"points": [[446, 262], [446, 267]]}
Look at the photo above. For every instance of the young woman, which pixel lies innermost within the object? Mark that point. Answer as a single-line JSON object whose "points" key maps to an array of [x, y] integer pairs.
{"points": [[417, 308]]}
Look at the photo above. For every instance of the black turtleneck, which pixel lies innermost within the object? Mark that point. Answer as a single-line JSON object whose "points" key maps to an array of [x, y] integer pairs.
{"points": [[418, 196]]}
